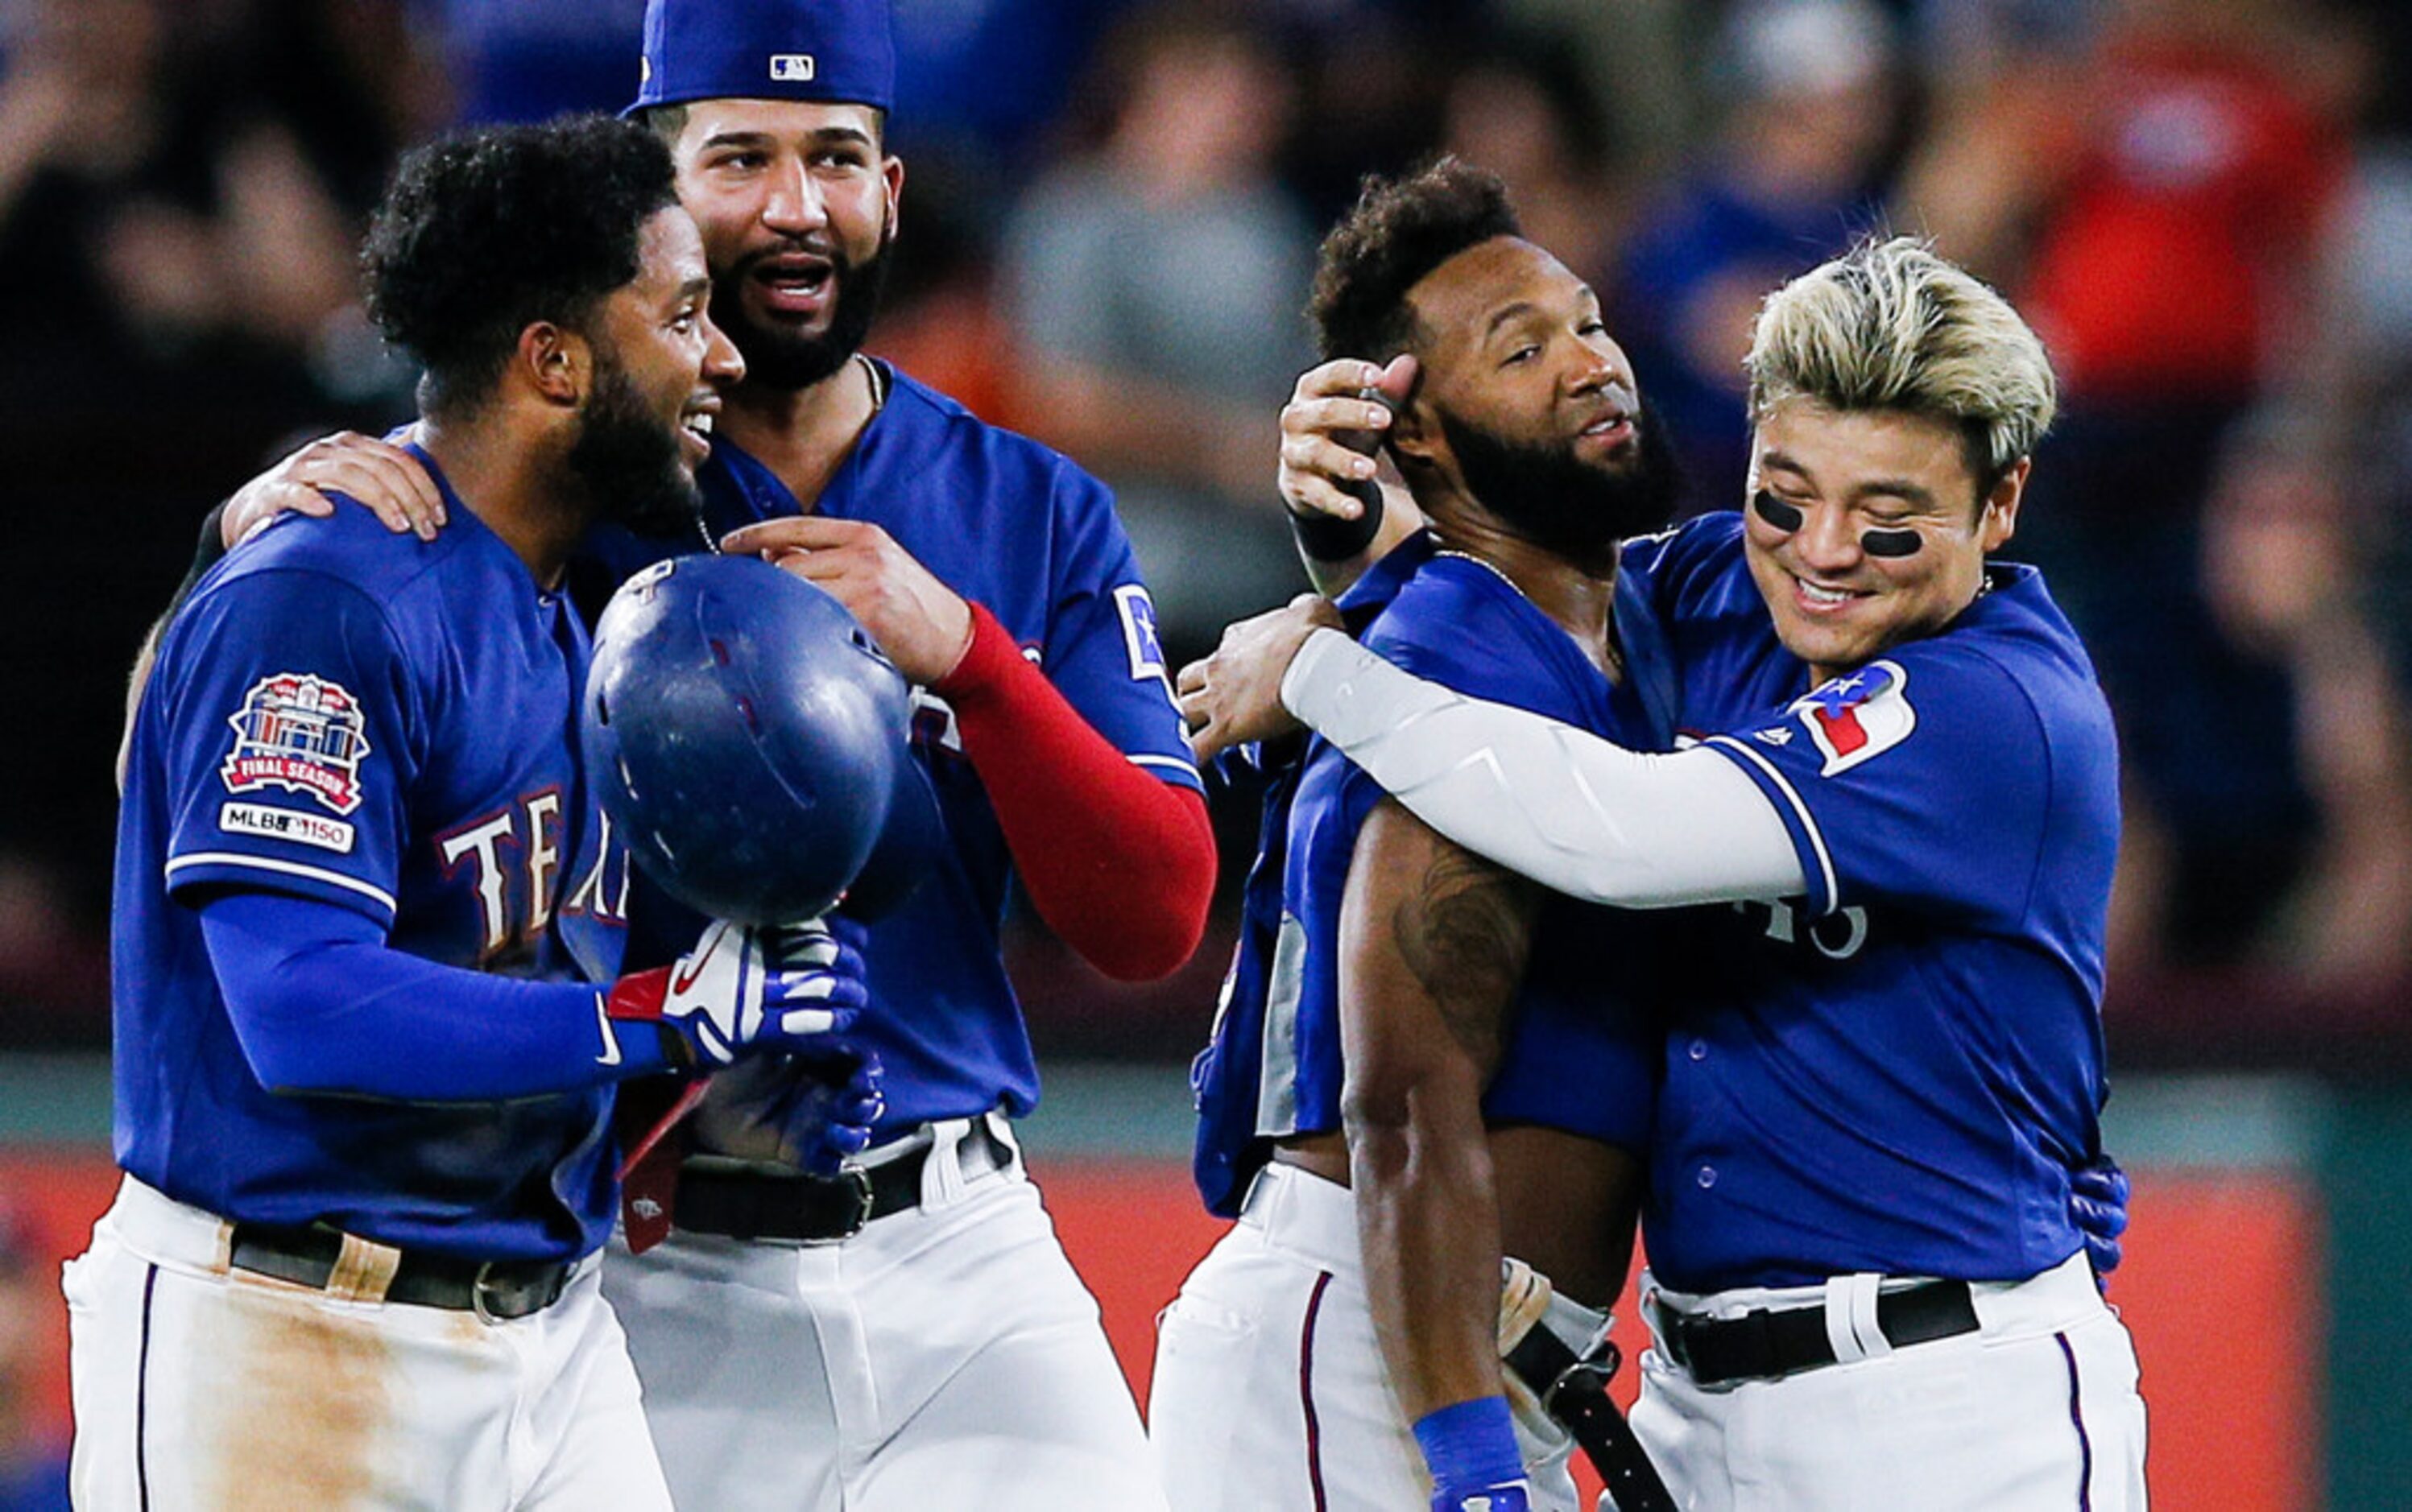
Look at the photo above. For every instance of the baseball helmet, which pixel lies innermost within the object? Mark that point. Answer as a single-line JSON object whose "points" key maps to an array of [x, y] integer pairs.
{"points": [[746, 736]]}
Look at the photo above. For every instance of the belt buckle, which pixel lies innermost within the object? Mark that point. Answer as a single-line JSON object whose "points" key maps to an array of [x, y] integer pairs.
{"points": [[477, 1286], [857, 1181]]}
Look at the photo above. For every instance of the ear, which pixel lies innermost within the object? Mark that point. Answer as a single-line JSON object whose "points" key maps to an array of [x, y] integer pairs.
{"points": [[1999, 520], [891, 173], [1415, 433], [555, 363]]}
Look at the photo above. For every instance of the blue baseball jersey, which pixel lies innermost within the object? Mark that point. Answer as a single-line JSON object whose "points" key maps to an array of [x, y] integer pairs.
{"points": [[1015, 526], [387, 725], [1581, 1049], [1898, 1071]]}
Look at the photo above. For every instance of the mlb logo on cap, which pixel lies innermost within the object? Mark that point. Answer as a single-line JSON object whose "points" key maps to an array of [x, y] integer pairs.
{"points": [[840, 50]]}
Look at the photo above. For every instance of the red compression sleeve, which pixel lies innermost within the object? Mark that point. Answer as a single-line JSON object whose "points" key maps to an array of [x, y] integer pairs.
{"points": [[1118, 863]]}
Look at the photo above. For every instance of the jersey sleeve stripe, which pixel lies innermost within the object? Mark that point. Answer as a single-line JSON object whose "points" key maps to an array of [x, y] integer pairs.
{"points": [[269, 863], [1164, 763], [1775, 779]]}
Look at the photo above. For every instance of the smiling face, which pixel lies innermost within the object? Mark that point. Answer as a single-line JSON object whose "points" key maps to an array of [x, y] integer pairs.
{"points": [[797, 206], [1846, 474], [1533, 410], [659, 366]]}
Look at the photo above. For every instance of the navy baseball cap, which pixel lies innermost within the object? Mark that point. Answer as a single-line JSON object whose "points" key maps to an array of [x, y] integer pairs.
{"points": [[840, 50]]}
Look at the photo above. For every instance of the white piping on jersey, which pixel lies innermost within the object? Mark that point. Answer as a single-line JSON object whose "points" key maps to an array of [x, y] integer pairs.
{"points": [[1800, 810], [1168, 763], [266, 863]]}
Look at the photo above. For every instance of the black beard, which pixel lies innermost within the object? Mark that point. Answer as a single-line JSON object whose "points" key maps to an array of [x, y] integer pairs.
{"points": [[776, 358], [1567, 507], [628, 462]]}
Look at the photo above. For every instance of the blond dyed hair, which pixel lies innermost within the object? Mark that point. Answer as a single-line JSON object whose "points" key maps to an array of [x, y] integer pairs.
{"points": [[1892, 326]]}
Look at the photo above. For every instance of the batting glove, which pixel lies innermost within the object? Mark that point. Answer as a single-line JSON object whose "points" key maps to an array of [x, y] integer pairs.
{"points": [[743, 991], [2098, 1201], [829, 1115]]}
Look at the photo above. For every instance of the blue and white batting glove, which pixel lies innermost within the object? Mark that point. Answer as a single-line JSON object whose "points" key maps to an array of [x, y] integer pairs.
{"points": [[745, 991], [836, 1106], [2097, 1202]]}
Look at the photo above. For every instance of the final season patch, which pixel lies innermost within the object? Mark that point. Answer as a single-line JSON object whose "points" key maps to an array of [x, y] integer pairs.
{"points": [[1858, 717], [302, 733]]}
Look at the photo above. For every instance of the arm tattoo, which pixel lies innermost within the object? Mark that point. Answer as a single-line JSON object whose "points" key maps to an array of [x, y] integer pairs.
{"points": [[1467, 933]]}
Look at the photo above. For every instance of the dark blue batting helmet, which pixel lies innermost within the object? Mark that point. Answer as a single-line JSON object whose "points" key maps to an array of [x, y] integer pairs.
{"points": [[746, 738]]}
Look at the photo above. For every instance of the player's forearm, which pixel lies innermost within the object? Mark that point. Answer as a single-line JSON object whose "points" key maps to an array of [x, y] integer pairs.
{"points": [[325, 1012], [1571, 810], [1120, 864], [1432, 948], [1428, 1229]]}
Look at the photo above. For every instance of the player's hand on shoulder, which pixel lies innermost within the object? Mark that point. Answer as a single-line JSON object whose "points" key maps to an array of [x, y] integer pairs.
{"points": [[1233, 697], [2097, 1202], [385, 480], [1328, 431], [745, 990], [923, 625]]}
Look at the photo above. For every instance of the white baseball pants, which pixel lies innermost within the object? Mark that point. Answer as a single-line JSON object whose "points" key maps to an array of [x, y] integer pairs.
{"points": [[1270, 1389], [943, 1356], [200, 1387], [2035, 1411]]}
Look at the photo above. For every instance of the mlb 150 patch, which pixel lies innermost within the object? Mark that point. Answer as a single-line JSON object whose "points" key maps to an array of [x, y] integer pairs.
{"points": [[301, 733], [1859, 716], [270, 822]]}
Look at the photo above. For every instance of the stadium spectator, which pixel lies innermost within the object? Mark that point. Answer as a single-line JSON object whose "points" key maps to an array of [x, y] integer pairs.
{"points": [[1154, 285], [1808, 96], [2161, 227]]}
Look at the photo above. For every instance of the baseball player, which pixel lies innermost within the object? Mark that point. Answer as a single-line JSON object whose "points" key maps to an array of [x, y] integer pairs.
{"points": [[925, 1343], [1866, 1283], [362, 1069], [1417, 1069]]}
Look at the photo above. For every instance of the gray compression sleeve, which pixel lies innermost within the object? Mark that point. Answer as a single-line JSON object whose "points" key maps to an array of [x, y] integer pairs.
{"points": [[1559, 805]]}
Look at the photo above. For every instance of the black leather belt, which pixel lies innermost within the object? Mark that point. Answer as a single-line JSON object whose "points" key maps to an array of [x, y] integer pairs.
{"points": [[492, 1289], [1763, 1345], [747, 1199]]}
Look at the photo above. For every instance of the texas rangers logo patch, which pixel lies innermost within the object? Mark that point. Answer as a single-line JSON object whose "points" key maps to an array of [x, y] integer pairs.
{"points": [[1859, 716], [302, 733], [1138, 633]]}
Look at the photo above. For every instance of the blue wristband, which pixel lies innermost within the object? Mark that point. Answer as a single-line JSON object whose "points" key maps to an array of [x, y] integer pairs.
{"points": [[1470, 1444]]}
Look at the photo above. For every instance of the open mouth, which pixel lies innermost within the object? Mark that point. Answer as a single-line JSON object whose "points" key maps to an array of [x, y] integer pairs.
{"points": [[1611, 432], [795, 284], [1822, 598], [695, 429]]}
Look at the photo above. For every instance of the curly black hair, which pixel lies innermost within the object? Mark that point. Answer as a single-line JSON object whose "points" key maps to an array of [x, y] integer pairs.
{"points": [[485, 232], [1400, 229]]}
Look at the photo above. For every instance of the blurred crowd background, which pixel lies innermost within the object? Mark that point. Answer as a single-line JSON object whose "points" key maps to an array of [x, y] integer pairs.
{"points": [[1109, 220]]}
